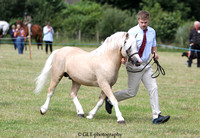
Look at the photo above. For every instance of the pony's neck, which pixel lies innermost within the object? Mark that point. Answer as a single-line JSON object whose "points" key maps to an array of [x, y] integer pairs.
{"points": [[114, 55]]}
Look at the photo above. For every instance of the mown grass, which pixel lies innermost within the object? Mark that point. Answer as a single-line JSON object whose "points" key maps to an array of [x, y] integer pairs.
{"points": [[179, 96]]}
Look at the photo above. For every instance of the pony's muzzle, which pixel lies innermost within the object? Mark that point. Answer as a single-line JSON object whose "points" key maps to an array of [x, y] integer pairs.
{"points": [[136, 60], [137, 63]]}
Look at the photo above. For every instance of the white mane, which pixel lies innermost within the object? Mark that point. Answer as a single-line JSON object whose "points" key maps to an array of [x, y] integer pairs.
{"points": [[109, 43]]}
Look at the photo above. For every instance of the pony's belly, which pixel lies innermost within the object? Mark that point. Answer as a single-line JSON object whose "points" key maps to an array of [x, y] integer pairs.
{"points": [[85, 81]]}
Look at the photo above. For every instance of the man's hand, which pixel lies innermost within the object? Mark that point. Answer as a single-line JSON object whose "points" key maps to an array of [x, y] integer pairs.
{"points": [[49, 30], [155, 56], [123, 60]]}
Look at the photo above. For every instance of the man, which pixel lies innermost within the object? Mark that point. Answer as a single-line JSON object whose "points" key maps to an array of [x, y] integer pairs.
{"points": [[12, 31], [194, 40], [27, 21], [146, 41]]}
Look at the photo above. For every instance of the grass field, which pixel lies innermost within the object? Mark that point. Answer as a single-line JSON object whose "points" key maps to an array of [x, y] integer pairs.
{"points": [[179, 96]]}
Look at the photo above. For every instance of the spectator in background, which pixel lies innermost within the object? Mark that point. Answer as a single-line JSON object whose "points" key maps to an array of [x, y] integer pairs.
{"points": [[19, 34], [12, 31], [48, 36], [194, 41]]}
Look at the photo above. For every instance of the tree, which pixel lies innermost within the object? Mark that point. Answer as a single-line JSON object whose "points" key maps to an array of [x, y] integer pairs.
{"points": [[40, 10], [165, 23], [130, 5], [82, 16], [114, 20]]}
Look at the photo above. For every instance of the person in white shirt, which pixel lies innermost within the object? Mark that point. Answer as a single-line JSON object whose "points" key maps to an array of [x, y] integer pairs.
{"points": [[48, 36], [146, 41]]}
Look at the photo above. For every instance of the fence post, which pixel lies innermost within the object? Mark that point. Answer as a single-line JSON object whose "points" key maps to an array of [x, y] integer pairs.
{"points": [[79, 35], [57, 34], [29, 40], [97, 35]]}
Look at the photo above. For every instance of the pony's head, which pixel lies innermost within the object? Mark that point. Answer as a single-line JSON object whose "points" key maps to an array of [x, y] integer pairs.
{"points": [[130, 49]]}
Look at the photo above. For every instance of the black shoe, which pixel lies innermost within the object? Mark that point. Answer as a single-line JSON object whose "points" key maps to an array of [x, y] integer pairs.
{"points": [[108, 106], [161, 119]]}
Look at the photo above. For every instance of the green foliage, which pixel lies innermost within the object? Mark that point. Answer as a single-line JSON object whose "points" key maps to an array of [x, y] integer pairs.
{"points": [[114, 20], [47, 10], [82, 16], [130, 5], [165, 23], [90, 16], [182, 34], [11, 9], [40, 11], [166, 27]]}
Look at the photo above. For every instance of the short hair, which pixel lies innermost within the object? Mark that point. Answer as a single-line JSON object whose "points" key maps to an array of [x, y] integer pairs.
{"points": [[48, 23], [143, 15], [196, 22]]}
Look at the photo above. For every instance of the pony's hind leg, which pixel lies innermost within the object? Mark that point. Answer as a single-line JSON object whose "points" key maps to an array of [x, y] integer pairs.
{"points": [[51, 89], [73, 94], [96, 108]]}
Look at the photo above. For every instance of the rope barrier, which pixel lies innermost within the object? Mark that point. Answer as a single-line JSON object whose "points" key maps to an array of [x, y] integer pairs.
{"points": [[175, 47], [58, 44], [12, 38]]}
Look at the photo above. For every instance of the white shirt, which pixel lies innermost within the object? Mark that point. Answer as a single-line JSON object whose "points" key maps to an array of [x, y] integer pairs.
{"points": [[150, 40], [48, 36]]}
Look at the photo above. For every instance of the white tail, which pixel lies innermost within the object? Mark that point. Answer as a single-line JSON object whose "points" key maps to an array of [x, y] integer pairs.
{"points": [[43, 77]]}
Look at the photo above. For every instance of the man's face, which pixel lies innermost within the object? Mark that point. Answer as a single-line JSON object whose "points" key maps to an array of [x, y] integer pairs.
{"points": [[143, 23]]}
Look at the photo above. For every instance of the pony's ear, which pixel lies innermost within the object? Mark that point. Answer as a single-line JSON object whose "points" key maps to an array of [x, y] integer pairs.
{"points": [[136, 35], [127, 35]]}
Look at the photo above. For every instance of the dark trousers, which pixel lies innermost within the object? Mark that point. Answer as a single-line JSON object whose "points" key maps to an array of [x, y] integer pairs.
{"points": [[192, 55], [15, 46], [50, 46]]}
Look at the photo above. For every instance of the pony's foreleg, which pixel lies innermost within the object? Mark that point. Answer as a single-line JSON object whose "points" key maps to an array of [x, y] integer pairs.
{"points": [[96, 108], [108, 92], [73, 94]]}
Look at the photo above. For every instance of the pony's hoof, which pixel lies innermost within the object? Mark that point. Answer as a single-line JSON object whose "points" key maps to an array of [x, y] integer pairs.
{"points": [[121, 122], [81, 115], [41, 112], [89, 117]]}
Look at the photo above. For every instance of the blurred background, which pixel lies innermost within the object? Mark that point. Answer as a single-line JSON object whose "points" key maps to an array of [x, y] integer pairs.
{"points": [[91, 21]]}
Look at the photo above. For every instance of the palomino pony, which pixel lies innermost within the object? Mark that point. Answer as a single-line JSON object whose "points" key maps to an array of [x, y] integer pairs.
{"points": [[97, 68], [4, 27], [36, 33]]}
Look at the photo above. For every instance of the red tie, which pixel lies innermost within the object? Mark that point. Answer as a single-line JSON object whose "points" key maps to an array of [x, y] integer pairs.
{"points": [[140, 52]]}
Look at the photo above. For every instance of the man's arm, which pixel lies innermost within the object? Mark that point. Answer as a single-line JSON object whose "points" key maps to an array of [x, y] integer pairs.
{"points": [[190, 38]]}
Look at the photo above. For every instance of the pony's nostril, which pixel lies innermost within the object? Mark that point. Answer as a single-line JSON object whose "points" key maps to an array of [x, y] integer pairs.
{"points": [[137, 63]]}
